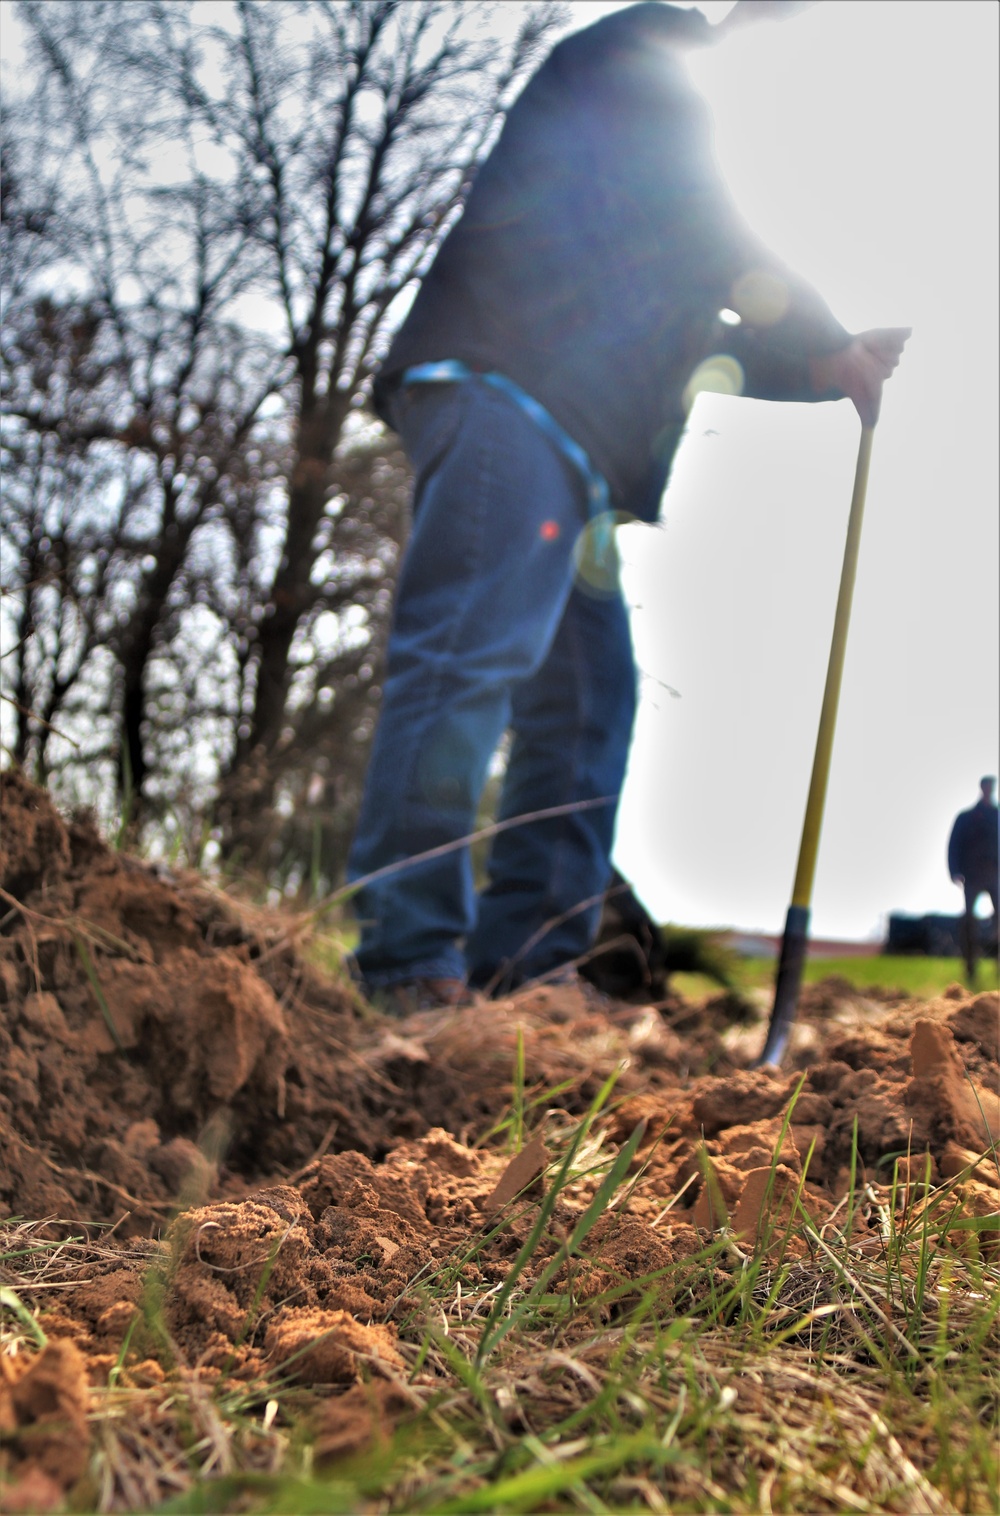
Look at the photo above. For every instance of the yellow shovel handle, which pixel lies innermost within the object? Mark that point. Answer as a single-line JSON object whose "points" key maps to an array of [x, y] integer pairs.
{"points": [[809, 846], [795, 941]]}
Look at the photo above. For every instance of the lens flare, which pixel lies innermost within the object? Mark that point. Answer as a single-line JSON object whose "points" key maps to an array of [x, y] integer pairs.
{"points": [[760, 297], [718, 375], [595, 555]]}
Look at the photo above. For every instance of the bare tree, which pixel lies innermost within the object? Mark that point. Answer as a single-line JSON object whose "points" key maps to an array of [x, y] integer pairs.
{"points": [[51, 630], [67, 558], [235, 210]]}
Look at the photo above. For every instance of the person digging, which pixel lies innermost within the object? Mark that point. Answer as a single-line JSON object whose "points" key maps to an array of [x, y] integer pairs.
{"points": [[539, 384]]}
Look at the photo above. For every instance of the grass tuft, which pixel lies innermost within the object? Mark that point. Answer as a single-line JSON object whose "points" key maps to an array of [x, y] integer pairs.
{"points": [[843, 1361]]}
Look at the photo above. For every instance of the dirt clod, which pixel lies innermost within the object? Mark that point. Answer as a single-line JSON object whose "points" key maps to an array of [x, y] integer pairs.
{"points": [[43, 1409]]}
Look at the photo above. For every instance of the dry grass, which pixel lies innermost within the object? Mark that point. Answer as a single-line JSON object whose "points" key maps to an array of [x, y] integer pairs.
{"points": [[861, 1376], [785, 1389]]}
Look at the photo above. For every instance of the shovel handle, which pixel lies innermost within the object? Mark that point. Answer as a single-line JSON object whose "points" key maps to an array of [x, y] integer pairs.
{"points": [[795, 941], [809, 847]]}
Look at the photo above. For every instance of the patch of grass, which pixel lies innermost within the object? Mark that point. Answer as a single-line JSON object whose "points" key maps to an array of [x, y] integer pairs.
{"points": [[826, 1377], [695, 986], [843, 1361], [913, 975], [923, 978], [694, 951]]}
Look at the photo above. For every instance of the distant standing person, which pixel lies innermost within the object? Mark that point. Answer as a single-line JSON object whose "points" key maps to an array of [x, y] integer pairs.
{"points": [[973, 863]]}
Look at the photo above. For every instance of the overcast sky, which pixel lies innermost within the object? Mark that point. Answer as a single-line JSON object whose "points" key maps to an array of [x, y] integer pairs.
{"points": [[860, 140]]}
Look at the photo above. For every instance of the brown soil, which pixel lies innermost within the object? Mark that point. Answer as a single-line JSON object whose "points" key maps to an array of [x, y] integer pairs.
{"points": [[279, 1167]]}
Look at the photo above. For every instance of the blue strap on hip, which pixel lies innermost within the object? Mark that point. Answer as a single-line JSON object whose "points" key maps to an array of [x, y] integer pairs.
{"points": [[452, 371]]}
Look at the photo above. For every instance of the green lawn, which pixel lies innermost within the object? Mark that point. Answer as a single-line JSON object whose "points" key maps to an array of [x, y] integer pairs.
{"points": [[923, 978]]}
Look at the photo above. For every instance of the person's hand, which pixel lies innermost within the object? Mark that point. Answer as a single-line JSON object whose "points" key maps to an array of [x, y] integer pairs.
{"points": [[860, 369], [761, 10]]}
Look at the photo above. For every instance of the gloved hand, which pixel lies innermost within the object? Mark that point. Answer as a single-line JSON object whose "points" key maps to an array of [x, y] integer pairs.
{"points": [[860, 369]]}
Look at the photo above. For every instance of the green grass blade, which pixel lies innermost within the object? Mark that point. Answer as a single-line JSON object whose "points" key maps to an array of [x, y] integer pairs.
{"points": [[532, 1489], [95, 984], [545, 1212], [591, 1215], [11, 1301]]}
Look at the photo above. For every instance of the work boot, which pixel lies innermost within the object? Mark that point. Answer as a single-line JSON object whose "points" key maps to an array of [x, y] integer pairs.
{"points": [[408, 996]]}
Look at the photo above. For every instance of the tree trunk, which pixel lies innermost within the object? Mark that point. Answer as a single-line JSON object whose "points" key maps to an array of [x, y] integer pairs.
{"points": [[137, 648], [291, 596]]}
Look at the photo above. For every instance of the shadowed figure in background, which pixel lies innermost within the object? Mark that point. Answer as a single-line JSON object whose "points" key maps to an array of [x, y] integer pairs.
{"points": [[540, 384], [974, 863]]}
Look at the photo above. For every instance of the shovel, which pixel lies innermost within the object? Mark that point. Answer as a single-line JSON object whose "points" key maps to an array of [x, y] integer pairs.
{"points": [[795, 940]]}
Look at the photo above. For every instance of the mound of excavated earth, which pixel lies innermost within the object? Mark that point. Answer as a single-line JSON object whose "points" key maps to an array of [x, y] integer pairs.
{"points": [[289, 1165]]}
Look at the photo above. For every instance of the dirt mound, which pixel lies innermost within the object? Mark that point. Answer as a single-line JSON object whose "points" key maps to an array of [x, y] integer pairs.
{"points": [[160, 1044], [151, 1040], [301, 1168]]}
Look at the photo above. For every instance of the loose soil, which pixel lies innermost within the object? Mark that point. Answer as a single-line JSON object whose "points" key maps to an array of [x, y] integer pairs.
{"points": [[243, 1139]]}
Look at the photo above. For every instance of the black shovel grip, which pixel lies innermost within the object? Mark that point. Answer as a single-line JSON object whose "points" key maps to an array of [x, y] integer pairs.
{"points": [[791, 966]]}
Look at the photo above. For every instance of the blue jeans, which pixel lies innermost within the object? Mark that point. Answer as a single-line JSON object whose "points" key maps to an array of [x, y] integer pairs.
{"points": [[492, 630]]}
